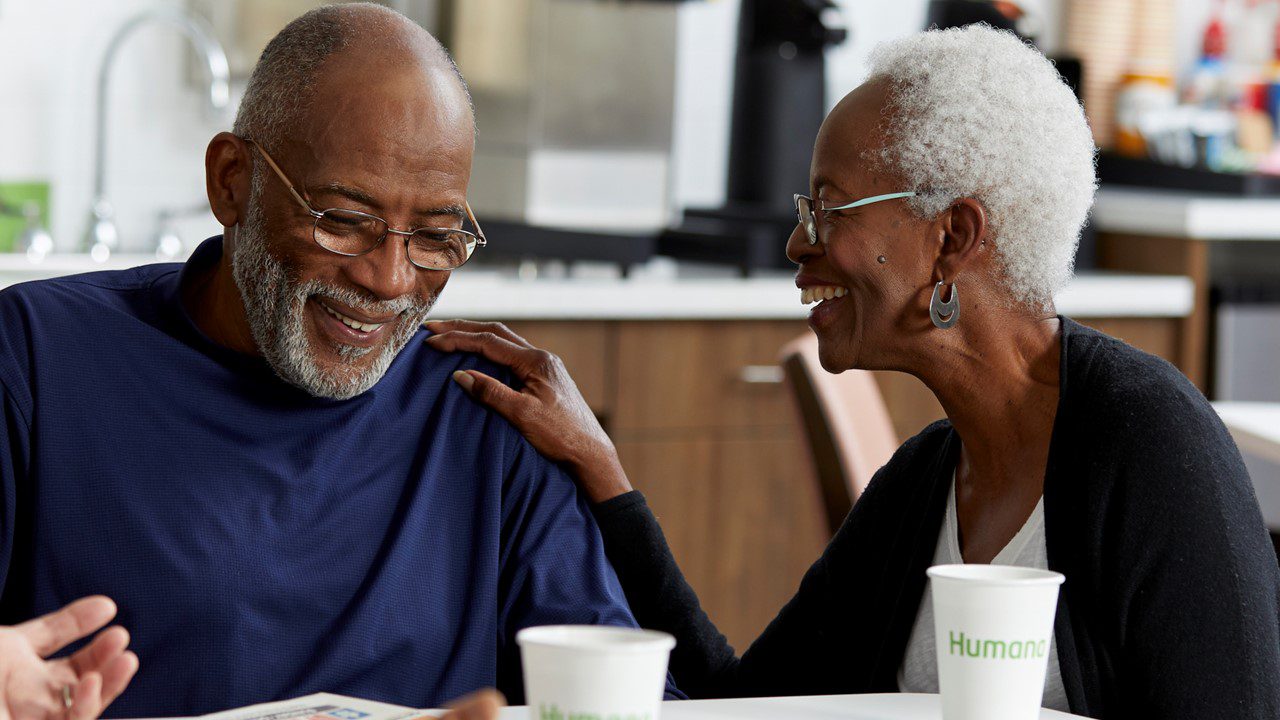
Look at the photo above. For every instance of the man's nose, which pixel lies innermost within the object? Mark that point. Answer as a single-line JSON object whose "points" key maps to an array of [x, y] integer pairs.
{"points": [[798, 248], [385, 270]]}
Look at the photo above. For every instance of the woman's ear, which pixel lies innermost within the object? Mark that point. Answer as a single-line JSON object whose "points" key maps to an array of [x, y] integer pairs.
{"points": [[228, 173], [964, 238]]}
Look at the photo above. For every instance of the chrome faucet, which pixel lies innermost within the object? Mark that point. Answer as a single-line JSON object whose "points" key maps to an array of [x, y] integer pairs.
{"points": [[102, 238]]}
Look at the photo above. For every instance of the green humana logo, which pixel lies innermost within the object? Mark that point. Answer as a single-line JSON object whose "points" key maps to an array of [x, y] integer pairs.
{"points": [[996, 649], [555, 713]]}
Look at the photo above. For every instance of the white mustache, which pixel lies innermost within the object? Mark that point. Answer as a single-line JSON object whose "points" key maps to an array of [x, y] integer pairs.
{"points": [[360, 302]]}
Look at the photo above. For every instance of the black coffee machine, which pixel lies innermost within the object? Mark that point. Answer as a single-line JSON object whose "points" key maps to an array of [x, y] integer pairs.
{"points": [[779, 100]]}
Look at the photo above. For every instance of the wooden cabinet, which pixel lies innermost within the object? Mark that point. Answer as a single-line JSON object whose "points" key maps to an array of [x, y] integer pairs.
{"points": [[690, 375], [717, 450], [714, 443], [742, 517]]}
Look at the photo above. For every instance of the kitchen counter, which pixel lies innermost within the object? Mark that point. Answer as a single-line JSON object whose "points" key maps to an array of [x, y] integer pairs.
{"points": [[481, 293], [494, 297], [1201, 236], [1178, 214]]}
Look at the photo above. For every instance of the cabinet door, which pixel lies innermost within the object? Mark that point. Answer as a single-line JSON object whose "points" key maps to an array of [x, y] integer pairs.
{"points": [[742, 517], [685, 375]]}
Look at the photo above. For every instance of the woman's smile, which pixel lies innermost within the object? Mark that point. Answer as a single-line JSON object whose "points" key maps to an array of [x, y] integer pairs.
{"points": [[828, 296]]}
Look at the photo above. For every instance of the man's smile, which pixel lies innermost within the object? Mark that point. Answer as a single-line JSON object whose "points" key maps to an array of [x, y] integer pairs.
{"points": [[344, 329]]}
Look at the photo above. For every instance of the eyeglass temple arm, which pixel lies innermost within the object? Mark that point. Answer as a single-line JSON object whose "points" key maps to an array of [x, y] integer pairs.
{"points": [[476, 224], [868, 201], [283, 178]]}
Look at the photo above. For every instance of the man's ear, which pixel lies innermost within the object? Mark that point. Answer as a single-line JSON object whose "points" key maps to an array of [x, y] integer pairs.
{"points": [[963, 233], [228, 173]]}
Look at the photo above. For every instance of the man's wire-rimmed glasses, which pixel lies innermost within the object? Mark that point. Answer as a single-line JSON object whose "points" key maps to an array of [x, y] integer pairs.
{"points": [[804, 210], [351, 233]]}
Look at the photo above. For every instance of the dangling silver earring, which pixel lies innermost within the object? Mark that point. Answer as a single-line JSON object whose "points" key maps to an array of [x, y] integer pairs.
{"points": [[944, 314]]}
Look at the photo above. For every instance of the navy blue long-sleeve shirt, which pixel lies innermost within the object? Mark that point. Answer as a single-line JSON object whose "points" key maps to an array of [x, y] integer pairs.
{"points": [[262, 543]]}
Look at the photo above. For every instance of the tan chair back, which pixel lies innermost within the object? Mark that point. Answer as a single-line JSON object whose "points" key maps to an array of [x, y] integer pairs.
{"points": [[846, 423]]}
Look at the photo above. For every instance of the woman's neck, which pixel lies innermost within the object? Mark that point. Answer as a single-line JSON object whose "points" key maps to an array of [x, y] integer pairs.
{"points": [[997, 379]]}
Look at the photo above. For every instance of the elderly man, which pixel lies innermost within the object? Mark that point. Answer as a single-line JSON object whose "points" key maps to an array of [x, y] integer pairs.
{"points": [[279, 489]]}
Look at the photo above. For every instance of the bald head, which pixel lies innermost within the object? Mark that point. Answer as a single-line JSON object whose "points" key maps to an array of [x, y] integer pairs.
{"points": [[359, 41]]}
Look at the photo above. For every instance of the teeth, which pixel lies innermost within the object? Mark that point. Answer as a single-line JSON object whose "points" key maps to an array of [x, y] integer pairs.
{"points": [[356, 325], [825, 292]]}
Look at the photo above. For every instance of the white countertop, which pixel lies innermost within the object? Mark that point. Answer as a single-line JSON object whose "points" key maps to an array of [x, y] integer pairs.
{"points": [[494, 297], [1255, 426], [1181, 214], [476, 292]]}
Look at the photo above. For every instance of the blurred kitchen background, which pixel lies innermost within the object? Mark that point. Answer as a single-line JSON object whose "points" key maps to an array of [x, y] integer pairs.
{"points": [[634, 171]]}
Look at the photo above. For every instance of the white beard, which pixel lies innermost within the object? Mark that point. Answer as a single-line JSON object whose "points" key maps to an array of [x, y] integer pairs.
{"points": [[275, 303]]}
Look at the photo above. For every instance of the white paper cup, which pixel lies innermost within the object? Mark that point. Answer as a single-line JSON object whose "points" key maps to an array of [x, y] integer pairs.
{"points": [[592, 672], [993, 626]]}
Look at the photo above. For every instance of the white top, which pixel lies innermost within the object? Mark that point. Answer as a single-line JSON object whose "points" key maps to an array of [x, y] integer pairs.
{"points": [[919, 671]]}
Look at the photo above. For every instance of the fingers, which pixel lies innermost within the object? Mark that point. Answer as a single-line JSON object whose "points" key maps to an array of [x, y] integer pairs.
{"points": [[95, 689], [470, 326], [483, 705], [86, 700], [50, 633], [488, 391], [497, 349], [116, 676], [105, 647]]}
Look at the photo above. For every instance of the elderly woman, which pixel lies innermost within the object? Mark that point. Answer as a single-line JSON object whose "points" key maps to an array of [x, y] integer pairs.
{"points": [[947, 195]]}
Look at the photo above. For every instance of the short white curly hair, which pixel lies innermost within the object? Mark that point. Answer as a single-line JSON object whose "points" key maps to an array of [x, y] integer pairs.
{"points": [[975, 112]]}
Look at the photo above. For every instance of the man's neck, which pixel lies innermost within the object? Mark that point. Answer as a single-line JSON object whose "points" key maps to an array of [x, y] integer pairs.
{"points": [[213, 301]]}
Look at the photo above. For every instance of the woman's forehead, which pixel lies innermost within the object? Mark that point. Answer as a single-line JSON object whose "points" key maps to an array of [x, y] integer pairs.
{"points": [[850, 136]]}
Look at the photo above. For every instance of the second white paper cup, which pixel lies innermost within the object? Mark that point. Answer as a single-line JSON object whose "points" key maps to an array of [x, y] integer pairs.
{"points": [[585, 671], [993, 625]]}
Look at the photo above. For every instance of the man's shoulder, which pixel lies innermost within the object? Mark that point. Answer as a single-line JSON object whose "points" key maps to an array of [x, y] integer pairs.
{"points": [[48, 318], [81, 291], [427, 362], [425, 375]]}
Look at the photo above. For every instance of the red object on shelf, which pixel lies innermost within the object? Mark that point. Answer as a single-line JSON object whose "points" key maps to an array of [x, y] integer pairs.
{"points": [[1008, 9], [1275, 42], [1254, 97], [1215, 38]]}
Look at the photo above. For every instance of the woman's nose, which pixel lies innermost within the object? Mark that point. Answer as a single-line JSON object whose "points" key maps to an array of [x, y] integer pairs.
{"points": [[798, 248]]}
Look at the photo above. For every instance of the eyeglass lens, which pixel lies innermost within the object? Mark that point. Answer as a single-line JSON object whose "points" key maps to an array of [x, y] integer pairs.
{"points": [[352, 233], [804, 213]]}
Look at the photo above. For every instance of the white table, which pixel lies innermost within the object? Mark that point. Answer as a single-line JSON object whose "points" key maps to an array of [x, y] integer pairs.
{"points": [[823, 707]]}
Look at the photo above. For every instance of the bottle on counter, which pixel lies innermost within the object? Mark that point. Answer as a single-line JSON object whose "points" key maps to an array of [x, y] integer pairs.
{"points": [[1254, 130], [1146, 90], [1207, 84]]}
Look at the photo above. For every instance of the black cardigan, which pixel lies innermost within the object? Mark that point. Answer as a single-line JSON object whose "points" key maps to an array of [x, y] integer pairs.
{"points": [[1171, 607]]}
